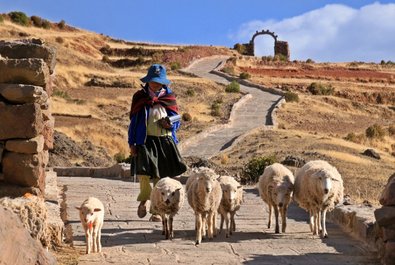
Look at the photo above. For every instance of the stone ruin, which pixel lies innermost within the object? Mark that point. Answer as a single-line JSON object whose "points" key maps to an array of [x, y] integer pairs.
{"points": [[385, 218], [280, 47], [26, 136]]}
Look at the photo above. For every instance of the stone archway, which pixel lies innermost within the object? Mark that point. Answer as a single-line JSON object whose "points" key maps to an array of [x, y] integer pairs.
{"points": [[280, 47]]}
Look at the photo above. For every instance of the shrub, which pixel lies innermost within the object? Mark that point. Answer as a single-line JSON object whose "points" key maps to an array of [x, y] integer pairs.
{"points": [[233, 87], [59, 40], [1, 18], [244, 75], [120, 157], [267, 58], [106, 59], [240, 48], [175, 66], [228, 70], [46, 24], [280, 58], [190, 92], [19, 18], [186, 116], [37, 21], [375, 132], [291, 97], [255, 167], [62, 24], [215, 109], [320, 89], [391, 130], [61, 94], [355, 138], [310, 61]]}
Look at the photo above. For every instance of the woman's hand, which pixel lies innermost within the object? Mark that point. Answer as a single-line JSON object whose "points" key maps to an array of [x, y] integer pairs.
{"points": [[133, 150], [164, 123]]}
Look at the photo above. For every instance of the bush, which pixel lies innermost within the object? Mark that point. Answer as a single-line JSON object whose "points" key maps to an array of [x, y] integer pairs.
{"points": [[355, 138], [391, 130], [1, 18], [186, 116], [59, 40], [310, 61], [120, 157], [240, 48], [215, 109], [291, 97], [106, 59], [190, 92], [62, 24], [255, 167], [244, 75], [375, 132], [175, 66], [46, 24], [228, 70], [280, 58], [19, 18], [37, 21], [320, 89], [61, 94], [233, 87]]}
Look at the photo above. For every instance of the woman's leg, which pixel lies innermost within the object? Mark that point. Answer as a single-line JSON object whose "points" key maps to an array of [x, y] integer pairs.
{"points": [[143, 197]]}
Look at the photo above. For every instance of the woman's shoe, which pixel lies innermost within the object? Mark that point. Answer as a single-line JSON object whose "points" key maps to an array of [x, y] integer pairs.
{"points": [[142, 209], [155, 218]]}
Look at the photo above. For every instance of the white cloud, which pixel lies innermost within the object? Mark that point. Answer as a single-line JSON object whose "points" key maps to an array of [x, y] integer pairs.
{"points": [[332, 33]]}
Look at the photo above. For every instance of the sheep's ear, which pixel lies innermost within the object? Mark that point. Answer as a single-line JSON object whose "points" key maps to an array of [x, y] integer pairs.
{"points": [[78, 208], [239, 187], [178, 189], [97, 210]]}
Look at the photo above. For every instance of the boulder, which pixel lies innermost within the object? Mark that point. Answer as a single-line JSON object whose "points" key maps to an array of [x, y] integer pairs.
{"points": [[29, 49], [371, 153], [389, 258], [17, 246], [21, 94], [293, 161], [385, 216], [24, 71], [20, 121], [389, 233], [30, 146], [26, 170], [387, 197]]}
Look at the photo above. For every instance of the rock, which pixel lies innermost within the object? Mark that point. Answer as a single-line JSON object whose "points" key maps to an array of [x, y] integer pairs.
{"points": [[48, 133], [25, 71], [26, 170], [17, 246], [385, 216], [20, 121], [293, 161], [371, 153], [389, 258], [389, 233], [1, 152], [29, 49], [13, 191], [347, 200], [30, 146], [387, 197], [21, 94]]}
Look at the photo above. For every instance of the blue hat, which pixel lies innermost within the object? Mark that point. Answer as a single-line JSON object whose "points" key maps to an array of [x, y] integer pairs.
{"points": [[156, 73]]}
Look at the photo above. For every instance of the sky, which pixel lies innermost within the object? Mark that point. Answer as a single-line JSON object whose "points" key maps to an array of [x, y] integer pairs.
{"points": [[325, 31]]}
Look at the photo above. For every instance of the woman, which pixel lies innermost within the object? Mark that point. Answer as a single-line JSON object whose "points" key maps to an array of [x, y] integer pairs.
{"points": [[152, 136]]}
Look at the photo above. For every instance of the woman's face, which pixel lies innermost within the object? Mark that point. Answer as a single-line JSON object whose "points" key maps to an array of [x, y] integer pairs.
{"points": [[154, 86]]}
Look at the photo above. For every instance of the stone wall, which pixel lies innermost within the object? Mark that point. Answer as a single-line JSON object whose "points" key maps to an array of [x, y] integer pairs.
{"points": [[282, 48], [385, 217], [26, 123]]}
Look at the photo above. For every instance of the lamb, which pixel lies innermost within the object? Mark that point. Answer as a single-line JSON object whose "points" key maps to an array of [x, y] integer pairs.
{"points": [[92, 218], [232, 196], [318, 189], [275, 186], [167, 198], [204, 197]]}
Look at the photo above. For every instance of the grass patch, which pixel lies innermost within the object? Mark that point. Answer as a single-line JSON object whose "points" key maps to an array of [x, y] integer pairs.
{"points": [[233, 87], [175, 66], [375, 132], [244, 75], [19, 18], [291, 97], [186, 116], [255, 167], [321, 89]]}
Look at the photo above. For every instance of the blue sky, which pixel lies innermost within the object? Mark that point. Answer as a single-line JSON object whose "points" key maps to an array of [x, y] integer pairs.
{"points": [[318, 29]]}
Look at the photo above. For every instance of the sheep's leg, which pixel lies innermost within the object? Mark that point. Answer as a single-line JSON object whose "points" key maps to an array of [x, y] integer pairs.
{"points": [[277, 229], [316, 222], [324, 233], [199, 225], [284, 210], [88, 237], [166, 226], [210, 225], [319, 221], [215, 232], [99, 238], [221, 226], [270, 216], [311, 223], [232, 222], [204, 224], [94, 239], [227, 225], [171, 227]]}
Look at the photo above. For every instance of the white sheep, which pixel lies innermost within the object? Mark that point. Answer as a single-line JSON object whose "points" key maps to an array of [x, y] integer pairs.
{"points": [[204, 196], [232, 197], [167, 198], [275, 186], [318, 189], [92, 218]]}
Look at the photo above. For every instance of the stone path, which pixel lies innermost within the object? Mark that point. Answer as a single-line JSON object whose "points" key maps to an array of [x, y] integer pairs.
{"points": [[127, 239], [253, 112]]}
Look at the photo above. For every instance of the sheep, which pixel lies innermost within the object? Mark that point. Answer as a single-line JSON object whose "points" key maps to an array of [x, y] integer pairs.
{"points": [[318, 189], [232, 197], [275, 186], [204, 197], [167, 198], [92, 218]]}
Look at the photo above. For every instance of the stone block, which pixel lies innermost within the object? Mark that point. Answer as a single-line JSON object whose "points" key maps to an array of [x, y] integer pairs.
{"points": [[18, 247], [21, 94], [385, 216], [48, 133], [30, 146], [45, 158], [389, 233], [26, 170], [24, 71], [387, 197], [1, 152], [20, 121], [389, 258], [29, 49]]}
